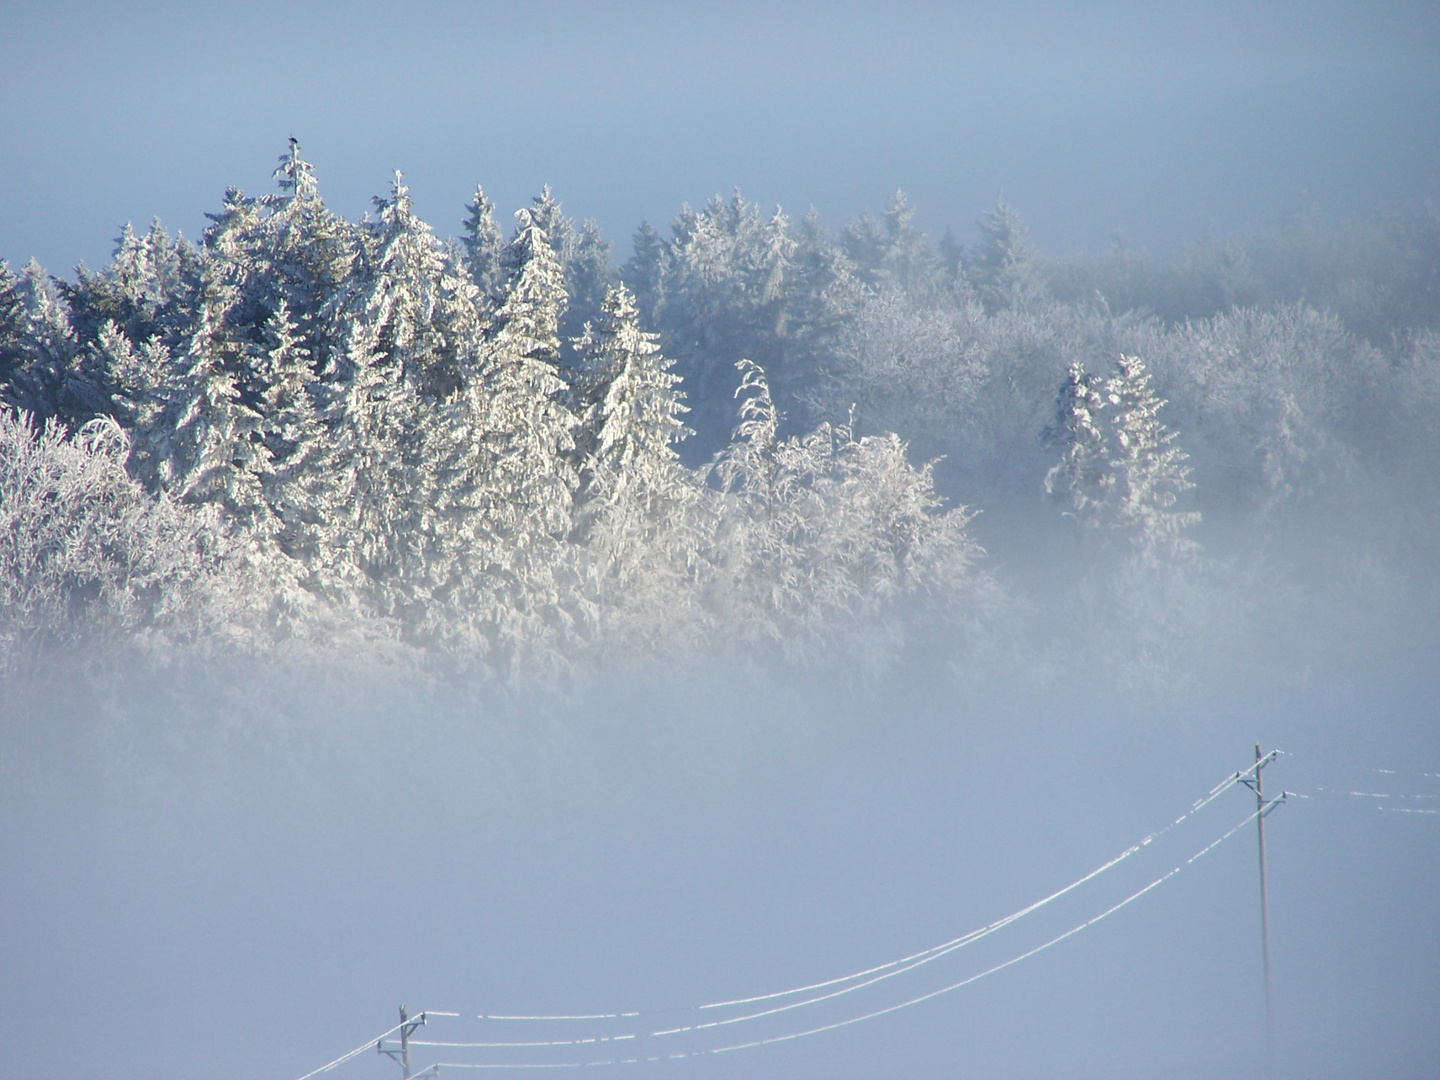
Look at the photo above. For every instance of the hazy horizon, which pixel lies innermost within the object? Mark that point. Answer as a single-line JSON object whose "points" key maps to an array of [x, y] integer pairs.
{"points": [[1161, 121]]}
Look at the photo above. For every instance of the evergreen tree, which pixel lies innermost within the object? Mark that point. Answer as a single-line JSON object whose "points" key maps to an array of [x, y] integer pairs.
{"points": [[212, 452], [51, 376], [291, 431], [639, 514], [826, 297], [908, 262], [632, 408], [644, 273], [864, 242], [528, 425], [748, 464], [299, 252], [135, 376], [1149, 469], [1005, 268], [589, 276], [1082, 478], [484, 245], [12, 321], [1120, 472]]}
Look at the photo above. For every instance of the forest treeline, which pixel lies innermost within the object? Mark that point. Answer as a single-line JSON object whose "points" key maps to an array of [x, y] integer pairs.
{"points": [[505, 453]]}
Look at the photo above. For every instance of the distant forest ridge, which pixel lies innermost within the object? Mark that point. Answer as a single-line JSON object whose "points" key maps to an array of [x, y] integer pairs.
{"points": [[504, 453]]}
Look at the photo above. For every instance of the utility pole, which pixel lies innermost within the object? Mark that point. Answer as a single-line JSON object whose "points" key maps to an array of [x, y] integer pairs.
{"points": [[402, 1053], [1262, 808]]}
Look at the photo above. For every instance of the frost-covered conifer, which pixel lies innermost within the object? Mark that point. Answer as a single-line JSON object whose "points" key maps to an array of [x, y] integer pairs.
{"points": [[1120, 472], [632, 407], [300, 252], [589, 276], [1082, 479], [367, 507], [51, 376], [528, 425], [1004, 268], [136, 376], [12, 310], [295, 175], [748, 465], [639, 511], [212, 449], [1149, 469], [908, 261], [484, 244], [290, 429], [644, 272]]}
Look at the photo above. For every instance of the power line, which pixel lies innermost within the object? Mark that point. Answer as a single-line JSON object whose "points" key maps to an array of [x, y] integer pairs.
{"points": [[576, 1016], [891, 968], [874, 1014], [867, 977], [366, 1046]]}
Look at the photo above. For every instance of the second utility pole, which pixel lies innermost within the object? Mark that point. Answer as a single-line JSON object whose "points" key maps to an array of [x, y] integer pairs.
{"points": [[1264, 902], [1263, 807]]}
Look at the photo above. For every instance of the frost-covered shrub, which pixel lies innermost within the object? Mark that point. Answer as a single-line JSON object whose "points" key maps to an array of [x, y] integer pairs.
{"points": [[87, 555], [829, 546], [1270, 402]]}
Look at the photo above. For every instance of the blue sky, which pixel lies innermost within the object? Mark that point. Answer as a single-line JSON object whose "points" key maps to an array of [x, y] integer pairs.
{"points": [[1161, 120]]}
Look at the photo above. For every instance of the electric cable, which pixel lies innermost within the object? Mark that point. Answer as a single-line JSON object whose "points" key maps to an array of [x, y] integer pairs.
{"points": [[892, 968], [870, 975], [366, 1046], [791, 1036]]}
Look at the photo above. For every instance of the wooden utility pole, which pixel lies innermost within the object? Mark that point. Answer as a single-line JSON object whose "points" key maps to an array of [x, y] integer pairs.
{"points": [[1260, 809], [405, 1013], [402, 1055], [1263, 807]]}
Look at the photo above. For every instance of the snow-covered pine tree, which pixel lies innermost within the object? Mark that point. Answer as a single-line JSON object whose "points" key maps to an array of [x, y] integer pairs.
{"points": [[589, 276], [291, 431], [826, 297], [361, 505], [530, 427], [638, 508], [908, 261], [864, 242], [1149, 469], [644, 272], [503, 452], [135, 376], [1005, 269], [484, 245], [300, 252], [373, 503], [53, 374], [1082, 479], [632, 411], [12, 312], [208, 444], [748, 464], [295, 175]]}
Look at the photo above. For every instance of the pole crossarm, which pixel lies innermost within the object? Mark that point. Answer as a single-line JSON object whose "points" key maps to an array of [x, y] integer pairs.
{"points": [[401, 1054]]}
